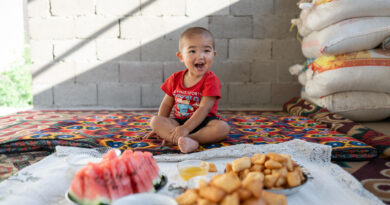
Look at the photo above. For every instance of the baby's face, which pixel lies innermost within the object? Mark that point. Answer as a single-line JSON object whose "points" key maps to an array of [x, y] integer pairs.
{"points": [[197, 53]]}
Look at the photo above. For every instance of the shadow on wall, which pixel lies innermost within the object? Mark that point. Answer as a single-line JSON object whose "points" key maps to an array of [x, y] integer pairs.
{"points": [[253, 56]]}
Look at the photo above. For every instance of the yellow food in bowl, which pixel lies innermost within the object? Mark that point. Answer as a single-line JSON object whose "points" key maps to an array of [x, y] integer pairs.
{"points": [[188, 172], [192, 168]]}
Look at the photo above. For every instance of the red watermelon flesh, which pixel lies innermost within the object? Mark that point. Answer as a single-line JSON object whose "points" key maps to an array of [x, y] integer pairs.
{"points": [[127, 152], [117, 178], [110, 155], [76, 191], [135, 176], [108, 178], [114, 177], [125, 177], [125, 158], [95, 191], [145, 167], [153, 166]]}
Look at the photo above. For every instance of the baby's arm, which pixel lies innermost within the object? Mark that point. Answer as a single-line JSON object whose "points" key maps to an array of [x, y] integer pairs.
{"points": [[206, 104], [166, 106], [164, 110]]}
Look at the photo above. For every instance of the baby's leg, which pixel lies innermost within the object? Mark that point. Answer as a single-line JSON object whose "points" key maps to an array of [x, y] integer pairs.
{"points": [[214, 131], [163, 126]]}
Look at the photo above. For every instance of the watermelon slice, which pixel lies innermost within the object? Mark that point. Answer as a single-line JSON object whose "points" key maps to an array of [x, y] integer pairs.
{"points": [[145, 167], [110, 155], [95, 191], [115, 177], [76, 192], [108, 178], [153, 167], [125, 179]]}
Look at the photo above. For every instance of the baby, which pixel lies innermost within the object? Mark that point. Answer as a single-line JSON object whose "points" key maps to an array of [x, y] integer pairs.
{"points": [[193, 94]]}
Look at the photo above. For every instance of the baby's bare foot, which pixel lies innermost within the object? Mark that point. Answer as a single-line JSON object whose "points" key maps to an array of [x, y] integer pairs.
{"points": [[187, 144]]}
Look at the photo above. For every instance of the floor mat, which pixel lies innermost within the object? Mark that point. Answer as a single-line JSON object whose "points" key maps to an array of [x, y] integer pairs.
{"points": [[125, 129], [301, 107], [374, 176]]}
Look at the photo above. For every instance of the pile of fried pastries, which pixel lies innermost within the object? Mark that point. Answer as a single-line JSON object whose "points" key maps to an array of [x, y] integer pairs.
{"points": [[243, 182]]}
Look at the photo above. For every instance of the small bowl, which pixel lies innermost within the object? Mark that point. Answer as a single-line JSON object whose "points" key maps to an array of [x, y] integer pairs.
{"points": [[145, 199], [76, 162], [192, 168], [289, 191]]}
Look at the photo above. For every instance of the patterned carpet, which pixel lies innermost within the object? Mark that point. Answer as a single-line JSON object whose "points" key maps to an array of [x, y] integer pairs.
{"points": [[27, 137], [125, 129]]}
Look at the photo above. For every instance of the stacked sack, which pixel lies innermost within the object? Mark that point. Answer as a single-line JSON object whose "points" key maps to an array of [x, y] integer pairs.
{"points": [[347, 43]]}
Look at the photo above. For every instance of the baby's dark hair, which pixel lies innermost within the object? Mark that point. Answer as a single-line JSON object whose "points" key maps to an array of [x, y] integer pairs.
{"points": [[195, 31]]}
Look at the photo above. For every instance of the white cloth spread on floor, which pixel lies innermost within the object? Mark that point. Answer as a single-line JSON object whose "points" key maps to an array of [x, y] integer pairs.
{"points": [[46, 181]]}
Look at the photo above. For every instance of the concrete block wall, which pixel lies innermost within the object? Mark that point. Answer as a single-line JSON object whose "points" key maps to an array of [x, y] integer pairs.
{"points": [[117, 53]]}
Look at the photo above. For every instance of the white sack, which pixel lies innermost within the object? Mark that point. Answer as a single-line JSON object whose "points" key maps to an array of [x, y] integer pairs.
{"points": [[325, 14], [354, 105], [357, 71], [347, 36]]}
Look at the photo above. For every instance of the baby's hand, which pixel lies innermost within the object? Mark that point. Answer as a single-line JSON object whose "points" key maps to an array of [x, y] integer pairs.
{"points": [[151, 134], [178, 132]]}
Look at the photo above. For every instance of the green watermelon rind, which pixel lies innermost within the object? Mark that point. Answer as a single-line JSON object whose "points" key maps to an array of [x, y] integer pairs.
{"points": [[160, 182], [72, 197]]}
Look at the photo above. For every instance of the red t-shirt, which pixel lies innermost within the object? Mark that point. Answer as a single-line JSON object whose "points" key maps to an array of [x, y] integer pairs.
{"points": [[187, 100]]}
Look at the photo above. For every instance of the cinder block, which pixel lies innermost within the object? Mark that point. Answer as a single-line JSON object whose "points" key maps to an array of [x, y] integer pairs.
{"points": [[38, 8], [264, 26], [224, 100], [96, 27], [41, 51], [159, 50], [206, 7], [73, 95], [286, 7], [75, 50], [284, 75], [287, 50], [249, 94], [252, 7], [42, 95], [53, 73], [221, 47], [152, 95], [230, 71], [264, 71], [171, 67], [118, 49], [163, 8], [119, 95], [97, 72], [54, 28], [118, 7], [72, 7], [249, 49], [145, 28], [282, 92], [231, 26], [140, 72], [174, 26]]}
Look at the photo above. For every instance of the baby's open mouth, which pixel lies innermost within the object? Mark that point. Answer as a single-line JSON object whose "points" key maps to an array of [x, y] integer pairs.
{"points": [[199, 65]]}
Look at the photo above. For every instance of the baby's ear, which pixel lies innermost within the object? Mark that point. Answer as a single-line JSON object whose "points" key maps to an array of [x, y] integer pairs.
{"points": [[215, 53], [180, 56]]}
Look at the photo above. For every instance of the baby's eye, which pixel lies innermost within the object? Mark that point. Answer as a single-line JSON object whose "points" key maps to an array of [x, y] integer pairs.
{"points": [[207, 50], [191, 51]]}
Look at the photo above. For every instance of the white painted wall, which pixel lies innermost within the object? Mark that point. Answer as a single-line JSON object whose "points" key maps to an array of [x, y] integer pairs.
{"points": [[12, 32]]}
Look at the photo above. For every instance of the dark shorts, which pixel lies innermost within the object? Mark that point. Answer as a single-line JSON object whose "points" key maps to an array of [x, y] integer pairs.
{"points": [[202, 124]]}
